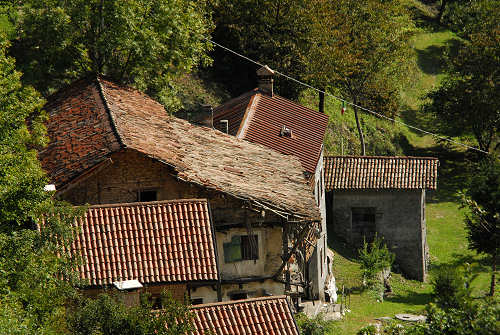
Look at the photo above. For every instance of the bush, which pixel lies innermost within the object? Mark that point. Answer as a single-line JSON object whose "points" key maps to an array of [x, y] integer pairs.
{"points": [[315, 326], [375, 257], [449, 288], [368, 330]]}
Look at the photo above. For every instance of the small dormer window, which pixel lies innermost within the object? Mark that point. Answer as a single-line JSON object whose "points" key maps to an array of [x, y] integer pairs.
{"points": [[285, 132]]}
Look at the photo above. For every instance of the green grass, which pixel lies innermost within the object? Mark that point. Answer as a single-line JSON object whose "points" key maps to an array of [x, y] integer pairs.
{"points": [[446, 235]]}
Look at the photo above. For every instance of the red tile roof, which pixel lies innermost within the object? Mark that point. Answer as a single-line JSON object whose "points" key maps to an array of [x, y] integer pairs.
{"points": [[270, 316], [94, 118], [365, 172], [153, 242], [258, 117]]}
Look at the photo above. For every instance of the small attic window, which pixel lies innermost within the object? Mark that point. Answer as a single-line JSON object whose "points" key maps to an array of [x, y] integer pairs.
{"points": [[147, 195], [285, 132]]}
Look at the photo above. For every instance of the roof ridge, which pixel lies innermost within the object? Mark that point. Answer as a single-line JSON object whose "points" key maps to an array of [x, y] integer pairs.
{"points": [[108, 110], [382, 157], [234, 302], [144, 203]]}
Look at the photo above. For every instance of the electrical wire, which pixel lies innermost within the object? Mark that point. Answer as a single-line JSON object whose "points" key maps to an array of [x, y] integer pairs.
{"points": [[348, 102]]}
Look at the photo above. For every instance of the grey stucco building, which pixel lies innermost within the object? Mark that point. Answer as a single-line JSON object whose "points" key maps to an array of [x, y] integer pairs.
{"points": [[383, 196]]}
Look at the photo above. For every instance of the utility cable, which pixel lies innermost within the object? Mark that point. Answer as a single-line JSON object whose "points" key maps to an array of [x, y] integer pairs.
{"points": [[348, 102]]}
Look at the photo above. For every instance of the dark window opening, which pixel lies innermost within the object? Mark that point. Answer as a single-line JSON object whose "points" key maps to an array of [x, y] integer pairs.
{"points": [[249, 247], [364, 222], [146, 196], [197, 301], [241, 247], [238, 296]]}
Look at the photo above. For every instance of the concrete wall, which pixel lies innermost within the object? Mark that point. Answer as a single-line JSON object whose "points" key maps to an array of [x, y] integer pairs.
{"points": [[399, 218], [318, 265]]}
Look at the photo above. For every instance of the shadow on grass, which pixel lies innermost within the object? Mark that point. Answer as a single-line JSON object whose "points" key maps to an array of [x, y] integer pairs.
{"points": [[430, 60], [478, 264], [341, 247], [411, 298]]}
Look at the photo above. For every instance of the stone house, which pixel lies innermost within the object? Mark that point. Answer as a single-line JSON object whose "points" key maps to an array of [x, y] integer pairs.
{"points": [[268, 315], [148, 247], [112, 145], [263, 117], [383, 196]]}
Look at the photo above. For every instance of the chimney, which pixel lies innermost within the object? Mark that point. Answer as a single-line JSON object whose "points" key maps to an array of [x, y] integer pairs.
{"points": [[204, 116], [266, 77]]}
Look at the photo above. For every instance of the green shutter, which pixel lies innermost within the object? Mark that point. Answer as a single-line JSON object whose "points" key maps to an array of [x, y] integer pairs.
{"points": [[232, 250]]}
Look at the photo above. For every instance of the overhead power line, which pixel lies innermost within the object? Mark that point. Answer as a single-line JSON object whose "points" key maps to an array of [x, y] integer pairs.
{"points": [[348, 102]]}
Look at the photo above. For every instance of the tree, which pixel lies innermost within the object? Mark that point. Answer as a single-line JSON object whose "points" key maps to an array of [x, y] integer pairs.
{"points": [[32, 262], [483, 222], [107, 315], [143, 43], [468, 101], [273, 32], [360, 51]]}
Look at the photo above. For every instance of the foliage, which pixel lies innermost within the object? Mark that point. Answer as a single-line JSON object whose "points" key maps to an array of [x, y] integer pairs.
{"points": [[467, 102], [449, 288], [375, 257], [143, 43], [368, 330], [273, 32], [315, 326], [107, 315], [32, 262], [483, 222], [479, 318], [361, 51]]}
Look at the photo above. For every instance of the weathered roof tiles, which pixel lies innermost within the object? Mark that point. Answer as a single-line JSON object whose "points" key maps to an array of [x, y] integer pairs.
{"points": [[153, 242], [94, 118], [258, 117], [380, 172], [270, 316]]}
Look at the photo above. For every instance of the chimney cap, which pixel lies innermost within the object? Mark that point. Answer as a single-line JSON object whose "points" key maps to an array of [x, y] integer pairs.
{"points": [[265, 71]]}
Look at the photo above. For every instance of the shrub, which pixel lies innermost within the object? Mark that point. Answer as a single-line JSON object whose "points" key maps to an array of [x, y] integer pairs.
{"points": [[368, 330], [449, 288], [315, 326], [375, 257]]}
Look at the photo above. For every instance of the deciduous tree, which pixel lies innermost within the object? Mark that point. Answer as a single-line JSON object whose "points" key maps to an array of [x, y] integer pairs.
{"points": [[138, 42], [360, 50], [483, 222]]}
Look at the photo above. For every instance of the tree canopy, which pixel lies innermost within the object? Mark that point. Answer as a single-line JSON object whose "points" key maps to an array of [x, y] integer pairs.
{"points": [[483, 222], [143, 43], [360, 51], [468, 101]]}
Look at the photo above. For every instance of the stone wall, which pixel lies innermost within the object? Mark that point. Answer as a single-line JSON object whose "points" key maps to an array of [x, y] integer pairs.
{"points": [[132, 172], [318, 264], [398, 217]]}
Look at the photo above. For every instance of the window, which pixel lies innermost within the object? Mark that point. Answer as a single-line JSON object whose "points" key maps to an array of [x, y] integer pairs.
{"points": [[363, 214], [249, 247], [241, 247], [196, 301], [364, 222], [238, 296], [147, 195]]}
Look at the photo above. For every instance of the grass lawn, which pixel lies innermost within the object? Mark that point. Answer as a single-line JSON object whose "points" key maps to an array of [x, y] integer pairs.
{"points": [[446, 234]]}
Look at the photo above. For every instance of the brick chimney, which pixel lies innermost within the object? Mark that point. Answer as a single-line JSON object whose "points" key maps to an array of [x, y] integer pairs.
{"points": [[266, 77]]}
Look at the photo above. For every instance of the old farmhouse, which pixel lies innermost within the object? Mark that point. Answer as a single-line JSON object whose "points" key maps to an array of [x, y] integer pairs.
{"points": [[384, 196], [114, 145], [261, 116]]}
